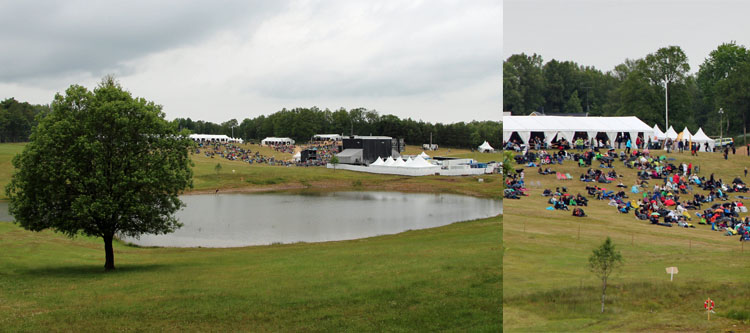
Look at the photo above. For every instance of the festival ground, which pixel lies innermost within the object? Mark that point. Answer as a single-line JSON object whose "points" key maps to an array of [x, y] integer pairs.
{"points": [[446, 278], [547, 286], [243, 177]]}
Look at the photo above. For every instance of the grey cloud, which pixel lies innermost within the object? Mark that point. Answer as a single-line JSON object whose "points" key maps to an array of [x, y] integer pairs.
{"points": [[42, 39]]}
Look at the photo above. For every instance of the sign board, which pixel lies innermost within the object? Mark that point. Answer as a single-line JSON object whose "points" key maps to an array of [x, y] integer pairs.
{"points": [[672, 271]]}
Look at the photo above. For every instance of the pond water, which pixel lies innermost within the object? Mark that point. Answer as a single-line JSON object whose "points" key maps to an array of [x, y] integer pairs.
{"points": [[229, 220], [4, 215]]}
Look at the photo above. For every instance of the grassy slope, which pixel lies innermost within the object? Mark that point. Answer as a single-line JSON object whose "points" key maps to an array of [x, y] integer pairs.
{"points": [[7, 151], [548, 288], [435, 279], [265, 177]]}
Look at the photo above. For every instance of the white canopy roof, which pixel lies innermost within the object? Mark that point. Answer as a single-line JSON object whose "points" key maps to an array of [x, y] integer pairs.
{"points": [[565, 127], [379, 161], [423, 155], [209, 137], [389, 161], [686, 135], [327, 136], [399, 162], [700, 137], [671, 133], [419, 162], [275, 140], [658, 134], [486, 146]]}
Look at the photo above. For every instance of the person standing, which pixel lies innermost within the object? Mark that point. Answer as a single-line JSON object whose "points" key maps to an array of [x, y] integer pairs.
{"points": [[726, 152], [627, 147]]}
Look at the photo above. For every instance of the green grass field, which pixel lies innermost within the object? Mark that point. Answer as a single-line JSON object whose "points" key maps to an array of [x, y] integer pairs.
{"points": [[446, 278], [547, 286], [439, 279]]}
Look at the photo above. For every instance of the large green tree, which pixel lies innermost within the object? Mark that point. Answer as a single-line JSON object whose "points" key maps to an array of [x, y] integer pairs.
{"points": [[734, 93], [102, 163], [717, 67], [523, 83]]}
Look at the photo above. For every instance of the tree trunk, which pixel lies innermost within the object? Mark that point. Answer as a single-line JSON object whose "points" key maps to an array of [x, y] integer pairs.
{"points": [[604, 288], [109, 263]]}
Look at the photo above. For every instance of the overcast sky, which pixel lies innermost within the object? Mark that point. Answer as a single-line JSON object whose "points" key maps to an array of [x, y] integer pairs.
{"points": [[603, 33], [439, 61]]}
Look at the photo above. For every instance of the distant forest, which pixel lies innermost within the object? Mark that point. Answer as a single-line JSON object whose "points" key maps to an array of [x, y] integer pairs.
{"points": [[17, 119], [301, 124], [636, 87]]}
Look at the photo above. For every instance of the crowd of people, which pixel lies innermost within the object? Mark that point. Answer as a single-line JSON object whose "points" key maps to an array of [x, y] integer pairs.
{"points": [[235, 152], [674, 191]]}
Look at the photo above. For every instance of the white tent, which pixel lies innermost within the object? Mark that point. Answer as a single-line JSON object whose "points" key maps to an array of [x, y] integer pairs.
{"points": [[419, 162], [399, 162], [277, 141], [389, 161], [423, 155], [701, 138], [325, 137], [685, 135], [658, 134], [213, 137], [566, 127], [486, 148], [378, 162], [671, 133]]}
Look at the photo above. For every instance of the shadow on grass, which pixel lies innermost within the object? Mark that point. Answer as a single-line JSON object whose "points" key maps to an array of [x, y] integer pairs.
{"points": [[91, 271]]}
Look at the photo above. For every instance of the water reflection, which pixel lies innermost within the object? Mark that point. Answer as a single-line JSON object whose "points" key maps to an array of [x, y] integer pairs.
{"points": [[227, 220]]}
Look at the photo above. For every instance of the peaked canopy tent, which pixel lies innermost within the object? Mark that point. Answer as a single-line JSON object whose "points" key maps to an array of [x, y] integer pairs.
{"points": [[701, 138], [685, 135], [566, 127], [671, 133], [658, 134], [486, 148]]}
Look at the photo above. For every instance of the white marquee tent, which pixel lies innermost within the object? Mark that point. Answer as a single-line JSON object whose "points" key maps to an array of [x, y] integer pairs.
{"points": [[277, 141], [486, 148], [658, 134], [566, 127], [671, 133], [701, 138], [213, 137], [685, 135]]}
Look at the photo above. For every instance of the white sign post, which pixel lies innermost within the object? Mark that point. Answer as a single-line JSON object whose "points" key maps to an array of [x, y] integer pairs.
{"points": [[672, 271]]}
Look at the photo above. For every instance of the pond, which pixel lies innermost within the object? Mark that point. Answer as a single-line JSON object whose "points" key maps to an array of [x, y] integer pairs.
{"points": [[4, 215], [229, 220]]}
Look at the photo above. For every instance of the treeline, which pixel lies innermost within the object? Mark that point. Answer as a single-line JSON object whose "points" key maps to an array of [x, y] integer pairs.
{"points": [[17, 119], [301, 124], [637, 87]]}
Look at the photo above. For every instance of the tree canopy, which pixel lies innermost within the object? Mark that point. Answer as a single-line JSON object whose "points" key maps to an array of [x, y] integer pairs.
{"points": [[635, 87], [17, 119], [301, 124], [101, 163]]}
